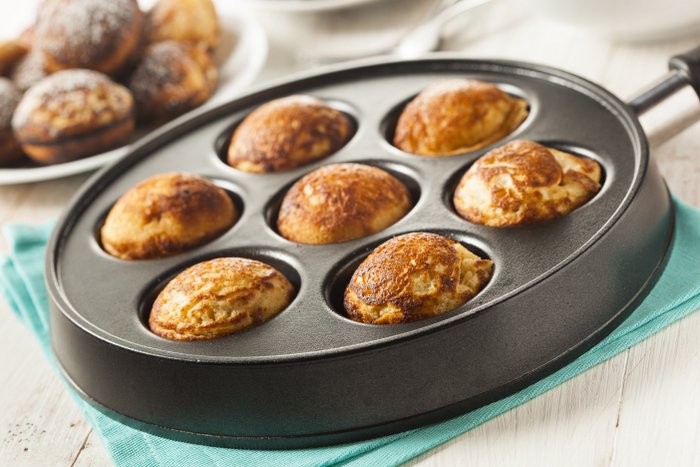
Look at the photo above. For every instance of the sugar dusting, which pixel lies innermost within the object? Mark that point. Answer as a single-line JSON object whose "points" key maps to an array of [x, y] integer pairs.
{"points": [[29, 70], [9, 98], [83, 27], [62, 90], [156, 69]]}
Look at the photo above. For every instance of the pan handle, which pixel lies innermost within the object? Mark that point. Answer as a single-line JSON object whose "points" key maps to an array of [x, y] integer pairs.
{"points": [[688, 64], [672, 104], [685, 71]]}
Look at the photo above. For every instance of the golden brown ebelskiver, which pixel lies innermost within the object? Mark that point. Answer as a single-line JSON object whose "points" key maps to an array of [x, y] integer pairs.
{"points": [[457, 115], [71, 114], [10, 53], [341, 202], [172, 78], [218, 297], [10, 151], [287, 133], [101, 35], [412, 277], [166, 214], [524, 182], [184, 20]]}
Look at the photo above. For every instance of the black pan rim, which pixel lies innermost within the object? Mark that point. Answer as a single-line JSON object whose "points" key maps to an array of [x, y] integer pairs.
{"points": [[436, 416]]}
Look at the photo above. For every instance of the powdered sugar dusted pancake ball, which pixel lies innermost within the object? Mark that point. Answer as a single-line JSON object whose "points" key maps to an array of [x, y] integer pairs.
{"points": [[72, 114], [29, 70], [172, 78], [100, 35], [10, 96]]}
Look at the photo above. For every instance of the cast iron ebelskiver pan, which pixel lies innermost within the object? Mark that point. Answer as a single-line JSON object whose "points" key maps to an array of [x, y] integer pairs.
{"points": [[311, 376]]}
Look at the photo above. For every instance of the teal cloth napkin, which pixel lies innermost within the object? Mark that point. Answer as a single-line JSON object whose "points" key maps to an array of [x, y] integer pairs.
{"points": [[676, 294]]}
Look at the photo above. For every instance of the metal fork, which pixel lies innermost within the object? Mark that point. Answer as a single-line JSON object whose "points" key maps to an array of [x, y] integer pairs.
{"points": [[424, 38]]}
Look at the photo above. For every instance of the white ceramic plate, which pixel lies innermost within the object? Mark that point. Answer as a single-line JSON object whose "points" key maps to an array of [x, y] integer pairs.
{"points": [[241, 56], [303, 5]]}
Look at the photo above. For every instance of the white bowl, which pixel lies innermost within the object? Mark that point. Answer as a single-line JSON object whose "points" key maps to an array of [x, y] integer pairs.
{"points": [[629, 20]]}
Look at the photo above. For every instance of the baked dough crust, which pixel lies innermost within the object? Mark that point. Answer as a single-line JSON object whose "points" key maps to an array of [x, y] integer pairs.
{"points": [[287, 133], [524, 182], [412, 277], [341, 202], [29, 70], [219, 297], [166, 214], [101, 35], [10, 53], [172, 78], [72, 114], [456, 116], [10, 151], [184, 20]]}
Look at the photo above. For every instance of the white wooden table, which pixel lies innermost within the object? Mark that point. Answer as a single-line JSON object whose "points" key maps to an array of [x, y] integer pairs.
{"points": [[639, 408]]}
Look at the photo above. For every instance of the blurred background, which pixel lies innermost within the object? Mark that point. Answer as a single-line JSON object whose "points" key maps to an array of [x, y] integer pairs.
{"points": [[303, 33]]}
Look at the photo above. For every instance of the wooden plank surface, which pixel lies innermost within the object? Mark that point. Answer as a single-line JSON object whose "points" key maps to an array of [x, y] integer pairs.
{"points": [[639, 408]]}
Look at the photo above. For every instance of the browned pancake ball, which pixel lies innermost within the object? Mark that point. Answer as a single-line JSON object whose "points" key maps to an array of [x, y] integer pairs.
{"points": [[28, 36], [413, 277], [100, 35], [72, 114], [184, 20], [10, 151], [524, 182], [219, 297], [29, 70], [165, 215], [10, 53], [287, 133], [457, 115], [341, 202], [172, 78]]}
